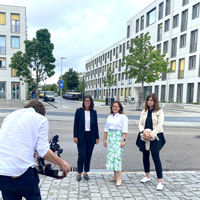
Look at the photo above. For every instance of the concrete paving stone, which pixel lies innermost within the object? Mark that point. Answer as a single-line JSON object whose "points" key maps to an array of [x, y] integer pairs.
{"points": [[94, 191], [116, 194], [129, 199], [195, 198], [62, 196], [73, 195], [136, 194], [95, 194], [113, 189], [140, 198], [127, 195], [118, 198], [96, 198], [105, 198]]}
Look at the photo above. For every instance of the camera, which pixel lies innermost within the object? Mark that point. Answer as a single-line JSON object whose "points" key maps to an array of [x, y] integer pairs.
{"points": [[46, 169]]}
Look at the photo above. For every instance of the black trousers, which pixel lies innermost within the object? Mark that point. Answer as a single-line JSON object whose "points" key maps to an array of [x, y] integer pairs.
{"points": [[85, 150], [157, 162], [24, 186]]}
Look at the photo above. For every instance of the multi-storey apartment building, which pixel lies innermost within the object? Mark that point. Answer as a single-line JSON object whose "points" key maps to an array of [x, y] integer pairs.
{"points": [[12, 36], [174, 27]]}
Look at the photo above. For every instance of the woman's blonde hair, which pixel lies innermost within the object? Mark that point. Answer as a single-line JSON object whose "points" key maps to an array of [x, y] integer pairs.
{"points": [[156, 103]]}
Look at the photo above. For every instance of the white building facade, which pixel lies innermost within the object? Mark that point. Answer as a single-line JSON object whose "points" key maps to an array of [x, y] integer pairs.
{"points": [[12, 35], [174, 27]]}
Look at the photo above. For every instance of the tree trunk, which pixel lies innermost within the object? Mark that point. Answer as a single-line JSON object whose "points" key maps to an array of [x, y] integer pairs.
{"points": [[36, 92], [140, 102]]}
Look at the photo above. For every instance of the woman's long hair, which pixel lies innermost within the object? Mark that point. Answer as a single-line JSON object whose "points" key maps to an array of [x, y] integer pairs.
{"points": [[91, 102], [119, 104], [156, 103]]}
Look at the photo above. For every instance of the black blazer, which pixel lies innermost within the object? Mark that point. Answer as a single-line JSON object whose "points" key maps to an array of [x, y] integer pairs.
{"points": [[79, 125]]}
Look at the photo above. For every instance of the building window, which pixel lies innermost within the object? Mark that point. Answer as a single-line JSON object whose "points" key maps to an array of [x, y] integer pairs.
{"points": [[142, 23], [128, 44], [173, 66], [151, 17], [185, 2], [159, 46], [192, 62], [163, 92], [120, 48], [164, 76], [174, 47], [124, 47], [132, 42], [15, 42], [168, 7], [128, 31], [113, 52], [13, 72], [129, 92], [2, 90], [2, 18], [195, 11], [118, 77], [2, 63], [190, 92], [130, 80], [157, 90], [193, 41], [137, 26], [108, 54], [184, 20], [159, 32], [165, 47], [167, 25], [160, 14], [2, 45], [15, 23], [175, 21], [183, 41], [181, 68], [122, 91]]}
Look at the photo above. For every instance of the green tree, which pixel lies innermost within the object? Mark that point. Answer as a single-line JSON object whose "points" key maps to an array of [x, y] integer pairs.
{"points": [[52, 87], [36, 64], [146, 63], [109, 79], [82, 84], [70, 79]]}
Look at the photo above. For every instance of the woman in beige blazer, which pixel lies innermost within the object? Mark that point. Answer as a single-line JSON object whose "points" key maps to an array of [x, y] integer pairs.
{"points": [[150, 137]]}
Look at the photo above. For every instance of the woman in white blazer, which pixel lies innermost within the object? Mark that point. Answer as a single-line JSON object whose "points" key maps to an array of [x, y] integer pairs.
{"points": [[150, 137]]}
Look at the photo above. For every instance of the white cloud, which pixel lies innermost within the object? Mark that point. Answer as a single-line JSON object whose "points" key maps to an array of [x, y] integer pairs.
{"points": [[81, 28]]}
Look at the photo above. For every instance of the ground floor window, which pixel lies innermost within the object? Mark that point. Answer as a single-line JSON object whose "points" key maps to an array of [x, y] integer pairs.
{"points": [[190, 92], [147, 91], [2, 90]]}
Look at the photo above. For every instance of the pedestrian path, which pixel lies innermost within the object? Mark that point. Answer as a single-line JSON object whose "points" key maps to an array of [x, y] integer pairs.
{"points": [[177, 185]]}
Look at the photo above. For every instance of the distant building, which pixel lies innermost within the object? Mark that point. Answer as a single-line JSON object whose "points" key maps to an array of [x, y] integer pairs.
{"points": [[13, 32], [174, 28]]}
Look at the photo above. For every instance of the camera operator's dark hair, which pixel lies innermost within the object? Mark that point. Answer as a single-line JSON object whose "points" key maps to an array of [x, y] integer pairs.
{"points": [[37, 105], [91, 102]]}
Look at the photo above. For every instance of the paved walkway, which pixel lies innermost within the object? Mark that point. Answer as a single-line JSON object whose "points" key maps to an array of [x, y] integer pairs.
{"points": [[177, 185]]}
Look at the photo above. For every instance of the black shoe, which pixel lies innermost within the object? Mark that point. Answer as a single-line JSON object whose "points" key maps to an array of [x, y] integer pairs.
{"points": [[78, 177], [86, 177]]}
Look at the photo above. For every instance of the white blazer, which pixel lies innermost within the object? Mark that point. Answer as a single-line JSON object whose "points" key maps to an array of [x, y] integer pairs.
{"points": [[157, 119]]}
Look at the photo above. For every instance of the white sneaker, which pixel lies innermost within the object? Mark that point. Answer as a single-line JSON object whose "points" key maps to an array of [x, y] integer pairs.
{"points": [[145, 179], [159, 186]]}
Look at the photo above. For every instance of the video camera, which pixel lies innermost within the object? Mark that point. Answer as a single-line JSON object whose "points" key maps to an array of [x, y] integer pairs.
{"points": [[46, 169]]}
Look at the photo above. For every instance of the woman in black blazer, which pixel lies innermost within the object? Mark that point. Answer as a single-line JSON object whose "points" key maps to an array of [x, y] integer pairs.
{"points": [[86, 135]]}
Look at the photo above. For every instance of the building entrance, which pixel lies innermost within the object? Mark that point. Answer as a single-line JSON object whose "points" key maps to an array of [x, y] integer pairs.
{"points": [[15, 90]]}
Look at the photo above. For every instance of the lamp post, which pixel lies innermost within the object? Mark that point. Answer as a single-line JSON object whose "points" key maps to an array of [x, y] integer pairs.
{"points": [[61, 79]]}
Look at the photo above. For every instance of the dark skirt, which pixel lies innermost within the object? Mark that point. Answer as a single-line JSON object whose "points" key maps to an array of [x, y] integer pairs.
{"points": [[155, 146]]}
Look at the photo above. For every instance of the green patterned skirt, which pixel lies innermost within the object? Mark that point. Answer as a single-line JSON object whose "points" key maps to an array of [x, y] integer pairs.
{"points": [[114, 150]]}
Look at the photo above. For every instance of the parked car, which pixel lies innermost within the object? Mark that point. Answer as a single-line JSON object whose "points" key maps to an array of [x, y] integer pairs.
{"points": [[41, 94], [50, 95], [55, 95], [64, 96], [76, 96]]}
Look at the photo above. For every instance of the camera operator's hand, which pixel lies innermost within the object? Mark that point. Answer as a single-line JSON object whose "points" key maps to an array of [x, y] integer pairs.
{"points": [[65, 167], [76, 140]]}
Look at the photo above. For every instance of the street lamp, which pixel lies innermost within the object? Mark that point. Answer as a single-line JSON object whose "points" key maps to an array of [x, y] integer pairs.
{"points": [[61, 79]]}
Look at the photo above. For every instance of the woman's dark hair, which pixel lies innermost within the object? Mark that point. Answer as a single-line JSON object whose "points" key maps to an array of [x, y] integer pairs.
{"points": [[156, 103], [91, 102], [119, 104], [37, 105]]}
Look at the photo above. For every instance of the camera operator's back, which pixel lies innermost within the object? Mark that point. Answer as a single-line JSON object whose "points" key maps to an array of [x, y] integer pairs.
{"points": [[22, 131]]}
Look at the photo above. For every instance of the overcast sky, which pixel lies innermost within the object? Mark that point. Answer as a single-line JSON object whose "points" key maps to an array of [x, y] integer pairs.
{"points": [[79, 28]]}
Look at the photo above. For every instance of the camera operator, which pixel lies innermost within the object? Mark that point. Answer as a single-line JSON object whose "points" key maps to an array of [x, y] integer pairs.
{"points": [[23, 132]]}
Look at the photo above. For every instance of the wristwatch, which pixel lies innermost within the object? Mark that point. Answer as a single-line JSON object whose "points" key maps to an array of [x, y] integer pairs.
{"points": [[124, 140]]}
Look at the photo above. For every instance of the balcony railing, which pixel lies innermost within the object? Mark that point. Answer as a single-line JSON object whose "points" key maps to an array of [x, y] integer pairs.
{"points": [[2, 50], [193, 47], [181, 74]]}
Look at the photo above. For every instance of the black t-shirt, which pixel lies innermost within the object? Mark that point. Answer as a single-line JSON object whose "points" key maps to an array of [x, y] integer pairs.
{"points": [[149, 123]]}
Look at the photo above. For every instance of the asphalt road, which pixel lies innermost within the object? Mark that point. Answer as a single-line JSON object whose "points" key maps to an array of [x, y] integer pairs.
{"points": [[181, 151], [132, 117]]}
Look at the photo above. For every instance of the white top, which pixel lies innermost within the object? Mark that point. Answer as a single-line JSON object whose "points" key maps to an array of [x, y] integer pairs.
{"points": [[21, 133], [118, 122], [87, 120]]}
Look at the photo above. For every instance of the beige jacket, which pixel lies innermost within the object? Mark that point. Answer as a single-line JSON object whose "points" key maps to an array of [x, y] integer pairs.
{"points": [[157, 119]]}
